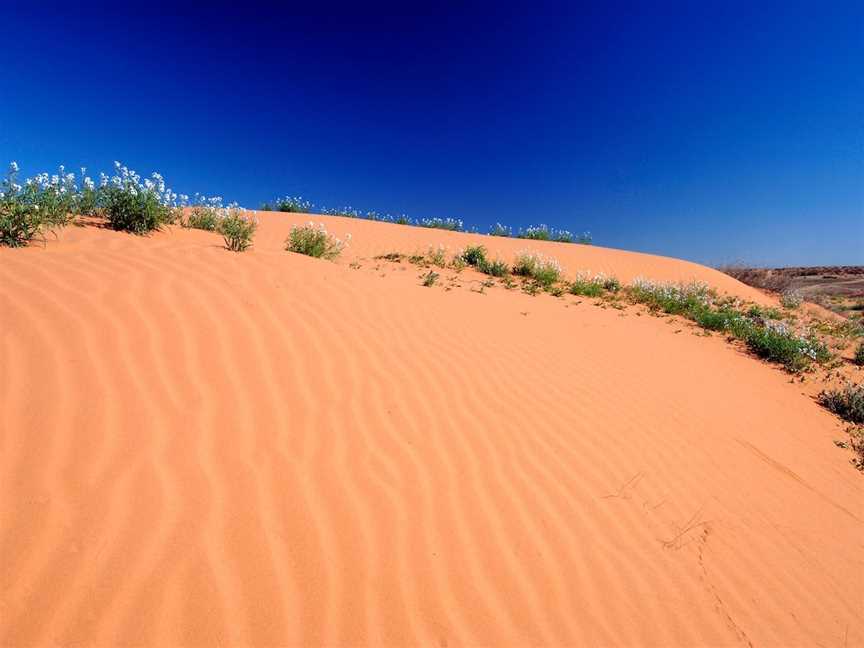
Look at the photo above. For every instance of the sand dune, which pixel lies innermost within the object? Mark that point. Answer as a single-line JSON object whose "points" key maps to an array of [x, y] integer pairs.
{"points": [[201, 448]]}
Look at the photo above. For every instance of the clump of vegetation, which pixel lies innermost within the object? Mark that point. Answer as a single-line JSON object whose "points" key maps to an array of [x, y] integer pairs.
{"points": [[856, 443], [767, 338], [847, 403], [776, 343], [474, 255], [291, 204], [136, 206], [204, 214], [544, 270], [42, 204], [595, 286], [237, 227], [430, 278], [437, 256], [395, 257], [314, 241], [452, 224], [494, 268], [500, 230], [858, 359], [790, 299]]}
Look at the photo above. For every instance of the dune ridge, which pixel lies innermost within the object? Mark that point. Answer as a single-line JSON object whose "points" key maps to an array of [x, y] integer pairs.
{"points": [[201, 447]]}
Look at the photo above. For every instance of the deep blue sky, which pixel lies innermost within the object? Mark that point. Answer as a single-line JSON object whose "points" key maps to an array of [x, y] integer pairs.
{"points": [[717, 132]]}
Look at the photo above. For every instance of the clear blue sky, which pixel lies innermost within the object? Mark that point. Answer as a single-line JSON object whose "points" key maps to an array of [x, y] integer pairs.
{"points": [[718, 132]]}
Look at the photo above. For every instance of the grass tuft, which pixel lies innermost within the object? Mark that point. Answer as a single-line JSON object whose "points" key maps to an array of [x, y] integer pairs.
{"points": [[847, 403], [314, 241], [237, 227]]}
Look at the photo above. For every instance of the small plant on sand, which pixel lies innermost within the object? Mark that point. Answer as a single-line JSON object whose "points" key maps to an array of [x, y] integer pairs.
{"points": [[452, 224], [584, 238], [237, 227], [790, 299], [588, 286], [494, 268], [544, 270], [500, 230], [204, 214], [474, 255], [437, 256], [292, 204], [858, 358], [315, 241], [847, 403], [430, 278], [458, 263], [136, 206], [775, 342]]}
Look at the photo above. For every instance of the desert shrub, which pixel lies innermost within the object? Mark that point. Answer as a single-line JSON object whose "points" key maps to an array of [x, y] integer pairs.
{"points": [[347, 212], [494, 268], [675, 299], [858, 358], [790, 299], [500, 230], [776, 343], [314, 241], [402, 219], [205, 214], [474, 255], [595, 286], [430, 278], [545, 271], [136, 206], [452, 224], [584, 238], [19, 224], [292, 204], [437, 256], [237, 227], [847, 403], [42, 204], [767, 338], [536, 233]]}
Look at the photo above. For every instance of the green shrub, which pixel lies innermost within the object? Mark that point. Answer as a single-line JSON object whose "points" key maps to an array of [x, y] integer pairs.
{"points": [[40, 205], [437, 256], [496, 268], [859, 355], [292, 204], [777, 344], [500, 230], [452, 224], [237, 227], [545, 271], [790, 299], [430, 278], [595, 286], [19, 223], [314, 241], [135, 212], [847, 403], [203, 217], [474, 255], [764, 336]]}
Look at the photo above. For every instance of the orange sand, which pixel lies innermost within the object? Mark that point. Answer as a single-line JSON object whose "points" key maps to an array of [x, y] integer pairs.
{"points": [[206, 448]]}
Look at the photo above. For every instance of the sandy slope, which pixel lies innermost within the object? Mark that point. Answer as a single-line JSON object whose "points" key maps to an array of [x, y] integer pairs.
{"points": [[202, 448]]}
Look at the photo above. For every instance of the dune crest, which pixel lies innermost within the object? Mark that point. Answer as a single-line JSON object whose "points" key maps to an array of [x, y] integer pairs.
{"points": [[201, 447]]}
